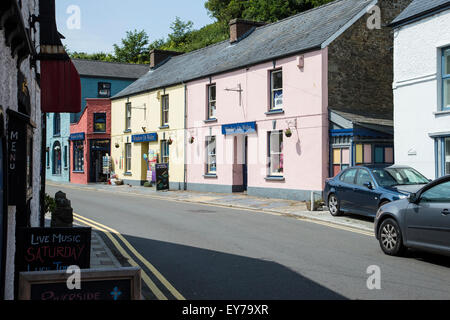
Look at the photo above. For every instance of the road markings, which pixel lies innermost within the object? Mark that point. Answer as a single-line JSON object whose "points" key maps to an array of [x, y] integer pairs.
{"points": [[152, 286], [311, 220], [155, 272]]}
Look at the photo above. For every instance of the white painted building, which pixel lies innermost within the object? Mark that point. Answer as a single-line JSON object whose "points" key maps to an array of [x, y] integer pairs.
{"points": [[422, 87]]}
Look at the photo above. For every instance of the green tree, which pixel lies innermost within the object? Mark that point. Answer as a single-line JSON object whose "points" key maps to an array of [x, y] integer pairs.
{"points": [[180, 32], [134, 48], [100, 56]]}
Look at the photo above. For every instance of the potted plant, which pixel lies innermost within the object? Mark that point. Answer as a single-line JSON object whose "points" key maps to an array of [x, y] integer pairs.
{"points": [[170, 141], [288, 132], [117, 145]]}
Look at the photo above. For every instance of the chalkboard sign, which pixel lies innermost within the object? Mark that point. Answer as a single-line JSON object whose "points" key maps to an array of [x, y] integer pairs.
{"points": [[162, 176], [43, 249], [96, 284]]}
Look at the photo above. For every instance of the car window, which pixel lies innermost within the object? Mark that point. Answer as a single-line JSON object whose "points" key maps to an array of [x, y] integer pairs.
{"points": [[439, 193], [349, 176], [384, 178], [363, 177], [407, 176]]}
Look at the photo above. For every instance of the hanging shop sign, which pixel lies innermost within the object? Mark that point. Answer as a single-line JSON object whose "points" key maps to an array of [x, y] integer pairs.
{"points": [[20, 153], [119, 284], [77, 136], [162, 176], [147, 137], [239, 128], [43, 249]]}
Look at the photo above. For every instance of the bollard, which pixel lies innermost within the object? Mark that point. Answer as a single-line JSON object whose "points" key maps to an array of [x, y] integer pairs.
{"points": [[62, 217]]}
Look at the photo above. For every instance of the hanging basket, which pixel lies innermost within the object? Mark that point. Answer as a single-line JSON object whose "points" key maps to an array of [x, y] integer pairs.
{"points": [[288, 132], [117, 146], [170, 141], [191, 140]]}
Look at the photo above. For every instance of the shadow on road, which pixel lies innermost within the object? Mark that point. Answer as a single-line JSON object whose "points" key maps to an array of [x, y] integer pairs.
{"points": [[428, 257], [205, 274]]}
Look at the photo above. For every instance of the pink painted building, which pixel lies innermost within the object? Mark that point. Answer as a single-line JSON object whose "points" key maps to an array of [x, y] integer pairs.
{"points": [[90, 141], [278, 108]]}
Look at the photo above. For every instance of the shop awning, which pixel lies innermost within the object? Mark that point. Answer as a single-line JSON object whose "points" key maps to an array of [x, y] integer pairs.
{"points": [[60, 81], [60, 86]]}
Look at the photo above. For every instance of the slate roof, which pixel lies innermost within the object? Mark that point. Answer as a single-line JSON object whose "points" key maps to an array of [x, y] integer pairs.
{"points": [[102, 69], [420, 8], [302, 32], [368, 119]]}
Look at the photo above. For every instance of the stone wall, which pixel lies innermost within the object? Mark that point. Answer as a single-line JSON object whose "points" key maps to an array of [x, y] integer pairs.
{"points": [[360, 65]]}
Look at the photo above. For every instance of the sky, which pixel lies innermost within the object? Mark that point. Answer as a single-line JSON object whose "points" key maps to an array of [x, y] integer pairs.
{"points": [[95, 25]]}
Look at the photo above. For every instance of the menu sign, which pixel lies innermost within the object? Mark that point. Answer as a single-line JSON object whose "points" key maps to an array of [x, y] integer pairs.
{"points": [[42, 249], [162, 176], [95, 284]]}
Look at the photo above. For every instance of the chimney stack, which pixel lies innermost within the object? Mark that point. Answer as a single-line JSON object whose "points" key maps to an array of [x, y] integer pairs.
{"points": [[239, 27], [159, 56]]}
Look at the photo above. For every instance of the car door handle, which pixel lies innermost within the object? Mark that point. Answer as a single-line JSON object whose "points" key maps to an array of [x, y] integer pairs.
{"points": [[445, 212]]}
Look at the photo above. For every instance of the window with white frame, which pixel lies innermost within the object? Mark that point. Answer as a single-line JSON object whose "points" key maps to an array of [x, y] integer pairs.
{"points": [[275, 148], [165, 110], [276, 89], [127, 157], [446, 78], [443, 156], [211, 163], [212, 101], [128, 116], [164, 151]]}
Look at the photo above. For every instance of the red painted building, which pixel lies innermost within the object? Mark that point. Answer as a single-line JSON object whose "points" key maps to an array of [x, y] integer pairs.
{"points": [[90, 141]]}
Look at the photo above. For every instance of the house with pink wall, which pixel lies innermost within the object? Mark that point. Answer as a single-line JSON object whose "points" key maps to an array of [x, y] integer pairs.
{"points": [[90, 141], [278, 108]]}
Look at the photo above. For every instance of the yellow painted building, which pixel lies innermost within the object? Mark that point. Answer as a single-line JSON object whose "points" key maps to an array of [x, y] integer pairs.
{"points": [[149, 126]]}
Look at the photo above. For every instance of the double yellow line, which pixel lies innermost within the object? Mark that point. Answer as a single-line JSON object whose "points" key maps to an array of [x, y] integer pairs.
{"points": [[110, 233]]}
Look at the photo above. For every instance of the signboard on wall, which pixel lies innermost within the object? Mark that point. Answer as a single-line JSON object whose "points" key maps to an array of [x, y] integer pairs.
{"points": [[105, 284], [239, 128], [43, 249], [162, 176], [147, 137]]}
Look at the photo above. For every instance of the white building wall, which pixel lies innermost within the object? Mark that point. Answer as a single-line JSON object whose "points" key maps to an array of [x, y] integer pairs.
{"points": [[8, 100], [417, 91]]}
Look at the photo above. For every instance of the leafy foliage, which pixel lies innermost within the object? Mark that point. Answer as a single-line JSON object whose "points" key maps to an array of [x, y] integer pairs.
{"points": [[136, 45]]}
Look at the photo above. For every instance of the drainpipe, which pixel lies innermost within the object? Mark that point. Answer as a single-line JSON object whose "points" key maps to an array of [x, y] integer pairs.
{"points": [[43, 167], [185, 138]]}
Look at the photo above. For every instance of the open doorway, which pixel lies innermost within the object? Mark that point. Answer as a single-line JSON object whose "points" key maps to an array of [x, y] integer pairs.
{"points": [[98, 149]]}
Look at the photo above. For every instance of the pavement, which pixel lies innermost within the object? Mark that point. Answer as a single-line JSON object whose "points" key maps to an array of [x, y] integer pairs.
{"points": [[235, 200]]}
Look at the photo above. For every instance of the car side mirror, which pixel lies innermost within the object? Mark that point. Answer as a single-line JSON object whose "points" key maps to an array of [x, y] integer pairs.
{"points": [[369, 185], [413, 197]]}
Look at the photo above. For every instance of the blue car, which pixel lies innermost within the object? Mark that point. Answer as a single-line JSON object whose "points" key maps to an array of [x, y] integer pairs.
{"points": [[364, 189]]}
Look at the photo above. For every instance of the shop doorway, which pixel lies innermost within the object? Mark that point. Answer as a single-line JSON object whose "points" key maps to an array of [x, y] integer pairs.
{"points": [[98, 149]]}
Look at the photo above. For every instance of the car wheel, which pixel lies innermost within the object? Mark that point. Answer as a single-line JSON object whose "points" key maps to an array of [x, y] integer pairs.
{"points": [[334, 205], [390, 236]]}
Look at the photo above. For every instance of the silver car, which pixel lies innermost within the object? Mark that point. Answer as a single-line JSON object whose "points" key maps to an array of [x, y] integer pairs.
{"points": [[422, 221]]}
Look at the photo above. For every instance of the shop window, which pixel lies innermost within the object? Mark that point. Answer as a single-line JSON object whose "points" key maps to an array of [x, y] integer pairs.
{"points": [[165, 110], [65, 156], [56, 124], [212, 101], [78, 156], [128, 157], [276, 89], [341, 159], [164, 151], [104, 89], [211, 160], [100, 122], [384, 155], [275, 141], [363, 154], [446, 79], [56, 158], [128, 116]]}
